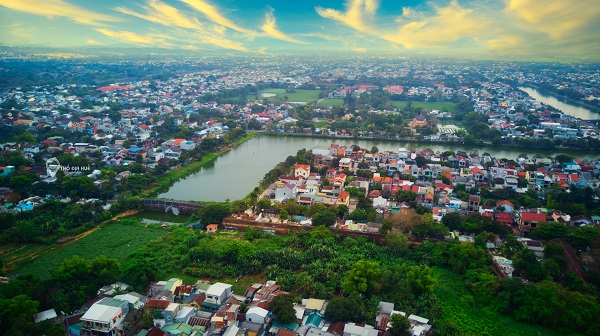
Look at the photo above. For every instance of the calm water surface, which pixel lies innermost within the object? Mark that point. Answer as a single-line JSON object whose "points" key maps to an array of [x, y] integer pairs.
{"points": [[236, 173], [572, 110]]}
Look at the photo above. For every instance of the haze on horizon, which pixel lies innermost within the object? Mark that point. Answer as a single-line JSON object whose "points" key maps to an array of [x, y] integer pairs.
{"points": [[523, 29]]}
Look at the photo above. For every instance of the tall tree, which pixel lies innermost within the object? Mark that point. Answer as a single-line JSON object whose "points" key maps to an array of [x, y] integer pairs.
{"points": [[362, 278], [282, 306]]}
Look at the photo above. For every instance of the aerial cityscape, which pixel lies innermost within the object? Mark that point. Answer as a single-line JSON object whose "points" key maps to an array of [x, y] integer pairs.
{"points": [[323, 168]]}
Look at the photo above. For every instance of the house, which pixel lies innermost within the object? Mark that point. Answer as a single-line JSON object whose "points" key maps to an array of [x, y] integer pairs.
{"points": [[529, 221], [287, 192], [104, 317], [49, 314], [212, 228], [136, 301], [345, 163], [382, 317], [505, 206], [302, 170], [217, 294], [257, 315], [251, 329], [474, 201], [173, 153], [343, 198], [353, 329]]}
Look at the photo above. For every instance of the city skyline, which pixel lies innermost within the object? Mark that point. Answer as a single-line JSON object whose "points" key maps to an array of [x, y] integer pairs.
{"points": [[523, 29]]}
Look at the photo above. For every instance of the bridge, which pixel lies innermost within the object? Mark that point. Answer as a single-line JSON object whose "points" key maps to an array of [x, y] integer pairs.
{"points": [[176, 207]]}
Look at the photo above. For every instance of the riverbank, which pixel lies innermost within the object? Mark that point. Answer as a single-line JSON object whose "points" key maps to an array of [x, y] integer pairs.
{"points": [[564, 99], [423, 143], [166, 181]]}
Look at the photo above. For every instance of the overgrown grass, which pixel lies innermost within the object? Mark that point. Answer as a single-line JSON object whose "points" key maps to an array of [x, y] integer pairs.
{"points": [[115, 240], [442, 106], [298, 96], [12, 252], [459, 309], [331, 102]]}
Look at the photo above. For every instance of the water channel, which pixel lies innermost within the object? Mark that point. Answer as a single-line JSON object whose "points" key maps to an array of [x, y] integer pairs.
{"points": [[236, 173], [572, 110]]}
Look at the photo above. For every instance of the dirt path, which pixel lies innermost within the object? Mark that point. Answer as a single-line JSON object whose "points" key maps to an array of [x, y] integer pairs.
{"points": [[7, 267]]}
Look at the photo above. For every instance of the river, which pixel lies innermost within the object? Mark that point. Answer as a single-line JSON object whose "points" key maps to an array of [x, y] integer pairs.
{"points": [[572, 110], [236, 173]]}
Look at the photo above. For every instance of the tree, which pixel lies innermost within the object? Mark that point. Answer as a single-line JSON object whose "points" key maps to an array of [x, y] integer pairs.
{"points": [[362, 278], [529, 267], [214, 213], [400, 325], [465, 256], [547, 231], [324, 218], [419, 280], [282, 306], [397, 242], [283, 215], [386, 227], [342, 309], [16, 315]]}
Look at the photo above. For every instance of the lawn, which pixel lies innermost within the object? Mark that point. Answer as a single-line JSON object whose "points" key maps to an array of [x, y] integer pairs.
{"points": [[442, 106], [331, 102], [298, 96], [115, 240], [471, 319]]}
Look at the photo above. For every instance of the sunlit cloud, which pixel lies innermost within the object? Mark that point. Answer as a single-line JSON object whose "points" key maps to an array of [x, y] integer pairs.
{"points": [[505, 43], [191, 47], [163, 14], [555, 17], [158, 12], [144, 40], [270, 28], [18, 30], [92, 41], [355, 15], [212, 13], [448, 24], [58, 8], [360, 50]]}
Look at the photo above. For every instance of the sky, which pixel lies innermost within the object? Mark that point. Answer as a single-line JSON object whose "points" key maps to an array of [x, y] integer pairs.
{"points": [[562, 29]]}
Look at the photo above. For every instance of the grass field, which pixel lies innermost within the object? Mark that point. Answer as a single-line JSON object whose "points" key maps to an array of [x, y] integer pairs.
{"points": [[474, 320], [115, 240], [442, 106], [298, 96], [331, 102]]}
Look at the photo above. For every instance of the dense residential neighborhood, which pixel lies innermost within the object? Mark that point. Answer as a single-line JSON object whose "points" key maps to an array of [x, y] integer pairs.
{"points": [[337, 239], [205, 308]]}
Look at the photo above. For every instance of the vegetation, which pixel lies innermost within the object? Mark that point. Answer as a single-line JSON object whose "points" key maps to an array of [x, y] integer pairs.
{"points": [[296, 95], [116, 239]]}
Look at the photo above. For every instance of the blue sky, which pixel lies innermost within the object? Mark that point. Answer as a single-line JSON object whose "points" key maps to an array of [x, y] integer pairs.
{"points": [[490, 28]]}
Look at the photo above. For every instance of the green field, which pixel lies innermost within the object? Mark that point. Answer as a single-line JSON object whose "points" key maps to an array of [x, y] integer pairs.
{"points": [[331, 102], [298, 96], [442, 106], [115, 240], [471, 319]]}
